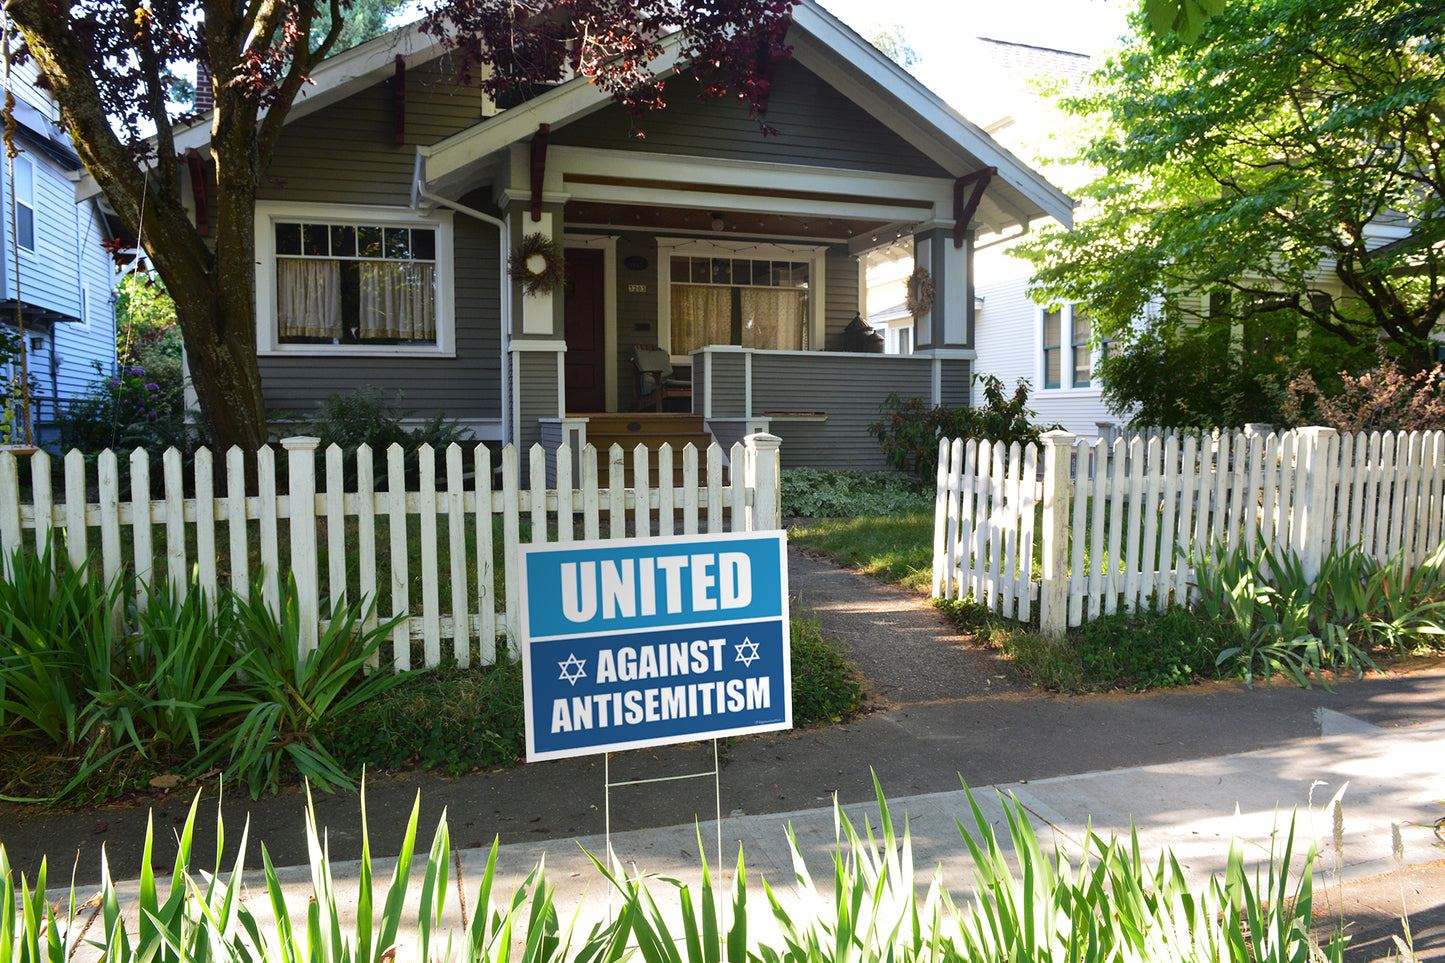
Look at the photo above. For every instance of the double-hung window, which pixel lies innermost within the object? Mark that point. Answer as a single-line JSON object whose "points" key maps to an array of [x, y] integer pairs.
{"points": [[1068, 351], [333, 279]]}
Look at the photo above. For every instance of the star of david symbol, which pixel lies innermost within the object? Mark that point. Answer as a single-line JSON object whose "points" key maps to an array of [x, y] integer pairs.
{"points": [[747, 652], [573, 669]]}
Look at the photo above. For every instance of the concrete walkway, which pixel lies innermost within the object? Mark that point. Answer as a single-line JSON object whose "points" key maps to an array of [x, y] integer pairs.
{"points": [[1190, 769]]}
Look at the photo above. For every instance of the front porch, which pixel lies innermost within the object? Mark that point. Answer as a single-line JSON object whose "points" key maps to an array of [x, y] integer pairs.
{"points": [[741, 257]]}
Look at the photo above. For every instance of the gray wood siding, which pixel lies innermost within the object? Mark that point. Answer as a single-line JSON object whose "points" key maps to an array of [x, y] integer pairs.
{"points": [[840, 280], [729, 394], [359, 131], [538, 388], [848, 389], [816, 126], [955, 382], [466, 387]]}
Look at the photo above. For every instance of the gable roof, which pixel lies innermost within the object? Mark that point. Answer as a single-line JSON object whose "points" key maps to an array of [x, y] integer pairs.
{"points": [[821, 42]]}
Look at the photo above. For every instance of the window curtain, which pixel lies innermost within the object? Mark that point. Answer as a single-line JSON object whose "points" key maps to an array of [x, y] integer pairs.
{"points": [[700, 316], [398, 301], [773, 318], [308, 298]]}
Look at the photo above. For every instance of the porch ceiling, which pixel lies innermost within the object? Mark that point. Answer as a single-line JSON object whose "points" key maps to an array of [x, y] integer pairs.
{"points": [[741, 223]]}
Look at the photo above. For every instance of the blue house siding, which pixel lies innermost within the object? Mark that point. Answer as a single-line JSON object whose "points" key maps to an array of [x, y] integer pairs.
{"points": [[64, 283]]}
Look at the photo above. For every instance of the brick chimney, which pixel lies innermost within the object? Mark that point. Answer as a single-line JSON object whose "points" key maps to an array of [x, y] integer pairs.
{"points": [[205, 89]]}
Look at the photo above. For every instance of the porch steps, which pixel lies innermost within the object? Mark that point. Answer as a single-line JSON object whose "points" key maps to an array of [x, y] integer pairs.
{"points": [[631, 428]]}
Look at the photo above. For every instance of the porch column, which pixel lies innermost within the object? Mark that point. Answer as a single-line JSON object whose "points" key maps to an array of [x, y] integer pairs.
{"points": [[950, 323], [535, 345]]}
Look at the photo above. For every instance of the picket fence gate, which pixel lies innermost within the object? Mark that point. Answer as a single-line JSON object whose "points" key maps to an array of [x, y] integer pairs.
{"points": [[213, 540], [1118, 524]]}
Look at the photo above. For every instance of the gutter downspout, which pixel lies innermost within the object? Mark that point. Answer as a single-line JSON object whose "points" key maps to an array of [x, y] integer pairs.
{"points": [[420, 193]]}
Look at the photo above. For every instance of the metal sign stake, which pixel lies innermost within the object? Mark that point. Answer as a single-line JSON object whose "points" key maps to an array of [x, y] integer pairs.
{"points": [[717, 804]]}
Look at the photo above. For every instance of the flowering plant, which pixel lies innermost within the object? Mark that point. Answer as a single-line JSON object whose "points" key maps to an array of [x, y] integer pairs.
{"points": [[127, 409]]}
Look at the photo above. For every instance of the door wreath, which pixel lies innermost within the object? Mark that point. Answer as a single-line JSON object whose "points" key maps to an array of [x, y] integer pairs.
{"points": [[538, 262]]}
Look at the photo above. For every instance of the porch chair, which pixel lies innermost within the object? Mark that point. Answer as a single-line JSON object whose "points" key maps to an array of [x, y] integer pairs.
{"points": [[655, 380]]}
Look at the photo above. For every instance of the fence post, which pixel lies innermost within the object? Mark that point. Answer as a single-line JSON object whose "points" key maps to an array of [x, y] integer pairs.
{"points": [[301, 488], [1313, 458], [762, 478], [1054, 586]]}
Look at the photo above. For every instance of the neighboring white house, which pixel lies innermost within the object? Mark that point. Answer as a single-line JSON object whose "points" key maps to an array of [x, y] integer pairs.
{"points": [[1054, 350], [1010, 96]]}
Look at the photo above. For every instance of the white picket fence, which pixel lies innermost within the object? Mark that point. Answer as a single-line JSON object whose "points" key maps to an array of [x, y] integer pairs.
{"points": [[222, 535], [1118, 524]]}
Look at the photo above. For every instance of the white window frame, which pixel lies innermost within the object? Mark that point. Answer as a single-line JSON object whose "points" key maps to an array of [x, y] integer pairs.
{"points": [[815, 255], [1066, 349], [22, 162], [268, 342]]}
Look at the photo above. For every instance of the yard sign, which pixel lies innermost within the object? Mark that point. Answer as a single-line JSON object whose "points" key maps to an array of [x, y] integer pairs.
{"points": [[644, 642]]}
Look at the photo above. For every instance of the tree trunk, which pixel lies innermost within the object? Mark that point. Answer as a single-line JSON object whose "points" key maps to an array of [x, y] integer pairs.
{"points": [[219, 333]]}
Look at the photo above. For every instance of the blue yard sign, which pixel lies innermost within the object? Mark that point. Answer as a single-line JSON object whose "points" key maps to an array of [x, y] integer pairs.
{"points": [[644, 642]]}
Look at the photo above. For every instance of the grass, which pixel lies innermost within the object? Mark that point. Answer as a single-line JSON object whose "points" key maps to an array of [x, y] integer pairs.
{"points": [[897, 548]]}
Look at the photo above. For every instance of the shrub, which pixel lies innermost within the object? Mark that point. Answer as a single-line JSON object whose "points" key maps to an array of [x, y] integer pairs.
{"points": [[910, 431], [294, 695], [1383, 398], [366, 417], [1300, 627], [123, 411], [819, 493], [180, 685]]}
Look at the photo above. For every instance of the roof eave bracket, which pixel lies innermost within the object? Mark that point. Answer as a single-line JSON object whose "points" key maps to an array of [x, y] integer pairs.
{"points": [[965, 208]]}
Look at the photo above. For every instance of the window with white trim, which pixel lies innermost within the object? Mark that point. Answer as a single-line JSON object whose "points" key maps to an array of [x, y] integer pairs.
{"points": [[1068, 347], [24, 202], [736, 300], [333, 279], [749, 295]]}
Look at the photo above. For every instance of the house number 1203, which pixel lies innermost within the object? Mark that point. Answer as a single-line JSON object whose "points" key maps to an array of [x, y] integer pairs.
{"points": [[637, 289]]}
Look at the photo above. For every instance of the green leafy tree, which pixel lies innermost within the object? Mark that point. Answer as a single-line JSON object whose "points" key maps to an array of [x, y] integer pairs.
{"points": [[1270, 193], [144, 312]]}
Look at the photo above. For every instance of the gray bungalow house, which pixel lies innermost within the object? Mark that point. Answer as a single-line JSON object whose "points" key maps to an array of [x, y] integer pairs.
{"points": [[387, 220]]}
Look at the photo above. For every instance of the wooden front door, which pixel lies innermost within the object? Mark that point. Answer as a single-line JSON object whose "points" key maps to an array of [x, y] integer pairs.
{"points": [[583, 312]]}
